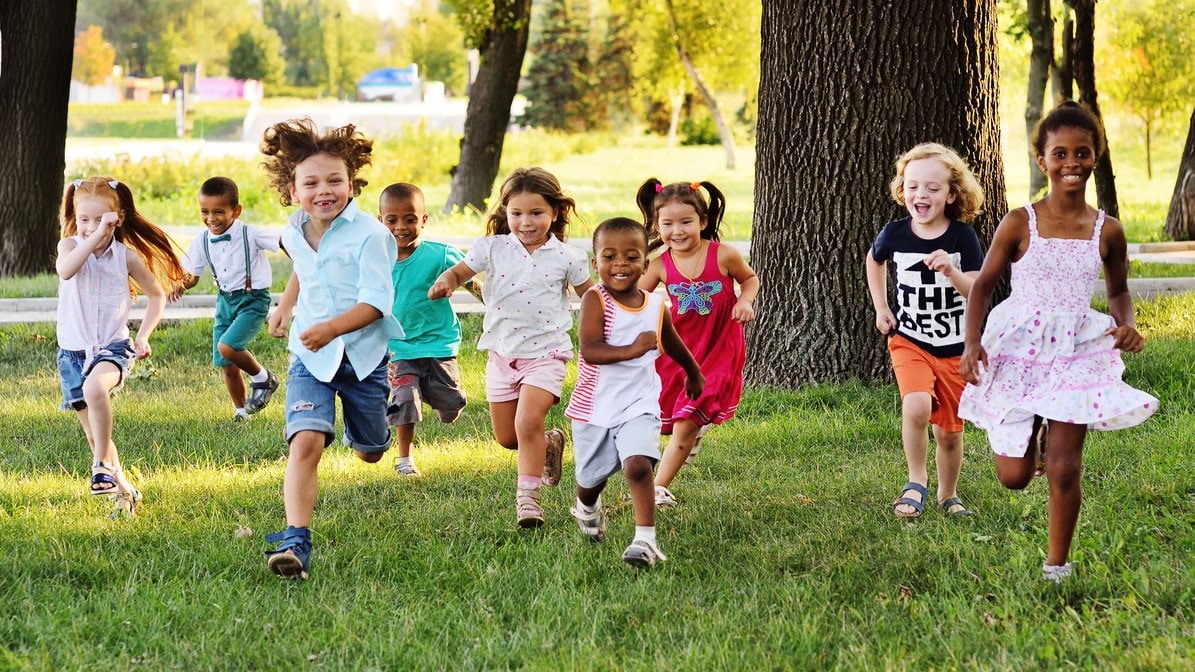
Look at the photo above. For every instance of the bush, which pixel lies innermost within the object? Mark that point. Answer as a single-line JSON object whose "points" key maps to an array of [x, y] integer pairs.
{"points": [[699, 129]]}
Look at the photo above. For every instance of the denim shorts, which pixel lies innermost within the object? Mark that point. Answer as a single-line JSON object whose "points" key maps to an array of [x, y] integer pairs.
{"points": [[71, 373], [239, 316], [311, 405]]}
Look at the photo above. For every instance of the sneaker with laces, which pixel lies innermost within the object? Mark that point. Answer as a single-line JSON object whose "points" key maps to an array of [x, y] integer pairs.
{"points": [[291, 558], [592, 524], [1056, 573], [261, 393], [530, 513], [643, 554], [553, 456], [407, 469], [664, 497]]}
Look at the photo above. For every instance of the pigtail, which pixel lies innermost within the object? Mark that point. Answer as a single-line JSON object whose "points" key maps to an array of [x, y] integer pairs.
{"points": [[645, 198], [713, 216], [69, 226]]}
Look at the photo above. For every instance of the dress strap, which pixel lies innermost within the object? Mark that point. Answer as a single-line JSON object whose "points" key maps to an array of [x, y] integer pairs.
{"points": [[1032, 220], [1099, 224]]}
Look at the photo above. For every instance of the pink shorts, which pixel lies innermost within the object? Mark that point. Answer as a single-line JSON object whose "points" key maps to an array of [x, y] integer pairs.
{"points": [[504, 375]]}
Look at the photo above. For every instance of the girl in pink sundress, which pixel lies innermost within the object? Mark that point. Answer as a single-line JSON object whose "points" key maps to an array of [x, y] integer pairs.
{"points": [[1045, 355], [699, 274]]}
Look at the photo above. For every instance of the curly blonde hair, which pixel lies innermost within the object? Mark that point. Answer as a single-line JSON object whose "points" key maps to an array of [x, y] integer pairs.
{"points": [[289, 143], [968, 195]]}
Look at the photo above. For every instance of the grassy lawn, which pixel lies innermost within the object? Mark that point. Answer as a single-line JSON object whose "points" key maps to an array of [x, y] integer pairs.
{"points": [[783, 553], [216, 120]]}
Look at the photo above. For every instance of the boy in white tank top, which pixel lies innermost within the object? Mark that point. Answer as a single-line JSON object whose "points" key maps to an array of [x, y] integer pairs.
{"points": [[615, 405]]}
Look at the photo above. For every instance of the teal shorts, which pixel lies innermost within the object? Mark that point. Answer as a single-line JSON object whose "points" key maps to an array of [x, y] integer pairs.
{"points": [[239, 317]]}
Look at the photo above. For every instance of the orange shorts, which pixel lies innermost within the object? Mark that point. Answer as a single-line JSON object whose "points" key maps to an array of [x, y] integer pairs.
{"points": [[918, 371]]}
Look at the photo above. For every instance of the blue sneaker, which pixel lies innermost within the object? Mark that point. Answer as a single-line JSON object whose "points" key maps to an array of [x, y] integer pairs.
{"points": [[290, 560]]}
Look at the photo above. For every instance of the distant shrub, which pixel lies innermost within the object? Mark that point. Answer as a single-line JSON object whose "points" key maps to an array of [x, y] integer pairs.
{"points": [[699, 129]]}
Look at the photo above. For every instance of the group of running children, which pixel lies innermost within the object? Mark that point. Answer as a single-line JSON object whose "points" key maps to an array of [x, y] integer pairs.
{"points": [[367, 320]]}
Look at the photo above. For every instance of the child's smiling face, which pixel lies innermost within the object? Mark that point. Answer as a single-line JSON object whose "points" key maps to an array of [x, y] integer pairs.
{"points": [[217, 213], [679, 226], [927, 191], [404, 217], [620, 258], [1069, 159], [322, 186]]}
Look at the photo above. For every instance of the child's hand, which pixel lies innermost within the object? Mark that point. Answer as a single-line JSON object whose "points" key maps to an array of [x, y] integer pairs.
{"points": [[939, 260], [973, 363], [1126, 338], [278, 323], [885, 320], [317, 336], [742, 312], [141, 348], [694, 386], [439, 290], [176, 292], [645, 342]]}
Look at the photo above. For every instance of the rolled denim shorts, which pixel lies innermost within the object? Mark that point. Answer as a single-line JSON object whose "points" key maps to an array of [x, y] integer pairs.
{"points": [[311, 405], [71, 371]]}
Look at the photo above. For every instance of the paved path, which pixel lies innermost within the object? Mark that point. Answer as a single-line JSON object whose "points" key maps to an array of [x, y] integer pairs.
{"points": [[194, 306]]}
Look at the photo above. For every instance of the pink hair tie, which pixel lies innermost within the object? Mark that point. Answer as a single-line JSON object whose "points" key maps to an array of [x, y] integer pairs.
{"points": [[659, 187]]}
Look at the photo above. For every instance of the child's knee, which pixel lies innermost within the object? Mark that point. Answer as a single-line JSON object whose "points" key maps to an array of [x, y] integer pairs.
{"points": [[369, 458], [637, 469], [227, 350], [916, 407]]}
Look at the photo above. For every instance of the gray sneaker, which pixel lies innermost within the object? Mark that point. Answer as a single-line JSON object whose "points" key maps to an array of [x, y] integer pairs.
{"points": [[593, 525], [642, 554], [261, 393]]}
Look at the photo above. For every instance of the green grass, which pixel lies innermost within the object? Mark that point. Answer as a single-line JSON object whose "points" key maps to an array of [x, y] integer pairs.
{"points": [[217, 120], [783, 555]]}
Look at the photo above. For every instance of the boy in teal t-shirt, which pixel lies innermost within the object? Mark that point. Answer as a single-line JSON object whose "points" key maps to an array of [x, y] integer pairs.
{"points": [[423, 366]]}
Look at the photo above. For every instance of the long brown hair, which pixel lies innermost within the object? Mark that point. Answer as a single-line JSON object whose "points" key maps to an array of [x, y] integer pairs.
{"points": [[157, 250], [532, 181]]}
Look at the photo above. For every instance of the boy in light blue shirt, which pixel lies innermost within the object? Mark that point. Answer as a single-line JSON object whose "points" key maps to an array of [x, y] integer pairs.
{"points": [[423, 366], [341, 299]]}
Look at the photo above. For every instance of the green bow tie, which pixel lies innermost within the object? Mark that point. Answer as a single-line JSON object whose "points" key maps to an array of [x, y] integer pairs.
{"points": [[217, 239]]}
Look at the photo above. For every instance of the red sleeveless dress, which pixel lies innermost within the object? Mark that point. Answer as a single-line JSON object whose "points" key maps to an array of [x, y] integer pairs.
{"points": [[701, 312]]}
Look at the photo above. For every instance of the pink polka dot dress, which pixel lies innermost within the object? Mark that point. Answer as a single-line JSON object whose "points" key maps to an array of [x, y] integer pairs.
{"points": [[1047, 352]]}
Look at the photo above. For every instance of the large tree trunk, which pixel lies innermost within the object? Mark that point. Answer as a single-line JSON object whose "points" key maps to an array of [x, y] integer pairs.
{"points": [[488, 113], [724, 133], [1064, 74], [36, 48], [1041, 61], [1180, 221], [840, 96], [1083, 59]]}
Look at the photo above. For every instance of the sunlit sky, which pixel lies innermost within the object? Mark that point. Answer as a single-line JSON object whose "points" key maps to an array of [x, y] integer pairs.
{"points": [[385, 9]]}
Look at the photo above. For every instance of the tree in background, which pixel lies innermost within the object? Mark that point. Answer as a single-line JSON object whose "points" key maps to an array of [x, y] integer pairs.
{"points": [[257, 54], [437, 45], [613, 92], [93, 57], [498, 29], [1148, 60], [1180, 220], [35, 86], [1040, 26], [841, 94], [1083, 62], [559, 74]]}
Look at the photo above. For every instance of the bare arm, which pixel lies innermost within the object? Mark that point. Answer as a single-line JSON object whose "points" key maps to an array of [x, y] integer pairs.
{"points": [[653, 276], [156, 303], [1120, 301], [1009, 237], [591, 327], [939, 260], [447, 282], [279, 321], [736, 267], [72, 255], [675, 348], [877, 287]]}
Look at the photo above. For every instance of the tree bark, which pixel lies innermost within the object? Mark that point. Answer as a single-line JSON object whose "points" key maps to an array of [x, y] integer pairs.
{"points": [[840, 96], [1064, 74], [488, 113], [36, 50], [724, 133], [1180, 220], [1083, 60], [1041, 62]]}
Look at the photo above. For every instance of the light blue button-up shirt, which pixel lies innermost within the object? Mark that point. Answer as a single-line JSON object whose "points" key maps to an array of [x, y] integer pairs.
{"points": [[351, 266]]}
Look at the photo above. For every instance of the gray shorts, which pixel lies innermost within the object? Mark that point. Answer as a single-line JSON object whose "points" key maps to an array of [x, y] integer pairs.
{"points": [[600, 451], [435, 381]]}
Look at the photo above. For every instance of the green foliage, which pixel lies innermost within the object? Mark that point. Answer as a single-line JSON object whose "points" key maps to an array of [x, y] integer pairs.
{"points": [[699, 129], [436, 44], [257, 54], [474, 18], [559, 73], [782, 555], [94, 57], [216, 120]]}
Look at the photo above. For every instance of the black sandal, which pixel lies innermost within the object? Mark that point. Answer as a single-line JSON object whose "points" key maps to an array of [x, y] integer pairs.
{"points": [[917, 506]]}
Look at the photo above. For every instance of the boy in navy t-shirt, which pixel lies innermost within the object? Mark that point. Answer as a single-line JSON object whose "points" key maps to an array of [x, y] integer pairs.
{"points": [[935, 258]]}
